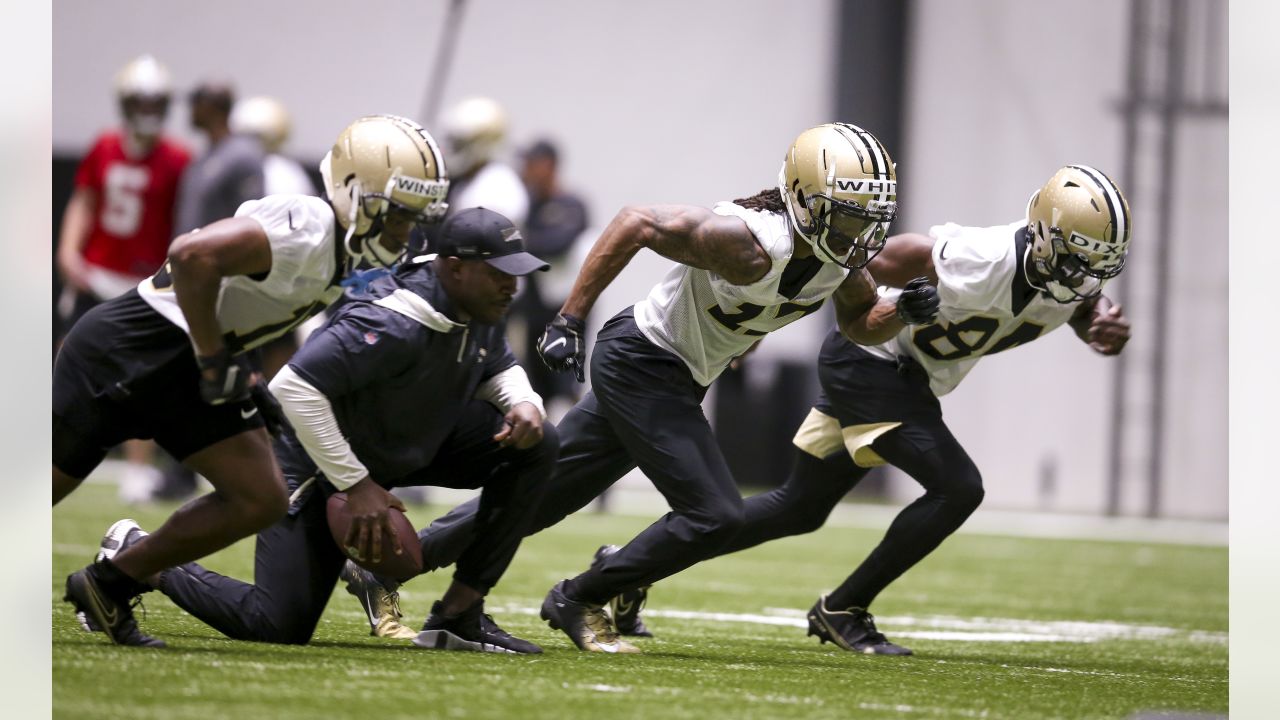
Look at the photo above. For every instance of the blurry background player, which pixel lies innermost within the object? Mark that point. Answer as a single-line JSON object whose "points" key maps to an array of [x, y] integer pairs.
{"points": [[167, 360], [744, 269], [412, 382], [557, 218], [267, 119], [473, 133], [118, 223], [229, 172], [999, 287], [215, 184]]}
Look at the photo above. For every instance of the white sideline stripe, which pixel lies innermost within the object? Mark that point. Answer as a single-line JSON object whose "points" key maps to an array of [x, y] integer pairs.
{"points": [[939, 627]]}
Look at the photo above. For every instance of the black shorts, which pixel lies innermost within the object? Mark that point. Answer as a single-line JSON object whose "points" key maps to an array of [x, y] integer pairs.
{"points": [[859, 388], [125, 372]]}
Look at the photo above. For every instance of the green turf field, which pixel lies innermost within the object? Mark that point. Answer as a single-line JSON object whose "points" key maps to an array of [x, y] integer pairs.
{"points": [[1002, 628]]}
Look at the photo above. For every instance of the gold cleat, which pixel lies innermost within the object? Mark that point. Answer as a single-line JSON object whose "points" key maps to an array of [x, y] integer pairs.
{"points": [[588, 626]]}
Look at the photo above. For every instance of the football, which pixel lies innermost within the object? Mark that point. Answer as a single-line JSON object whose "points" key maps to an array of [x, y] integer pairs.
{"points": [[397, 567]]}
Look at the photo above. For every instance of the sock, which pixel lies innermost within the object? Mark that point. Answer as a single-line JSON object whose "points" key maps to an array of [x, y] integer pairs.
{"points": [[115, 582]]}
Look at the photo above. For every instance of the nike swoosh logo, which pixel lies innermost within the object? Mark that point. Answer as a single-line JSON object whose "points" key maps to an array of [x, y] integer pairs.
{"points": [[108, 619], [557, 343], [624, 608], [608, 647], [942, 252], [246, 414]]}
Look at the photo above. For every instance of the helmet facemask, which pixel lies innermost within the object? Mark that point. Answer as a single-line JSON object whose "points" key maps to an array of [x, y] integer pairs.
{"points": [[1061, 274], [845, 232]]}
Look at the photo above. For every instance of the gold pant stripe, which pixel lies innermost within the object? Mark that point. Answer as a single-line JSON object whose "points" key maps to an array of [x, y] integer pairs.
{"points": [[821, 435]]}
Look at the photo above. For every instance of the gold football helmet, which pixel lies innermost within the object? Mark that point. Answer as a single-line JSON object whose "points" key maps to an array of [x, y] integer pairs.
{"points": [[840, 188], [143, 89], [1078, 225], [382, 164], [263, 117], [473, 130]]}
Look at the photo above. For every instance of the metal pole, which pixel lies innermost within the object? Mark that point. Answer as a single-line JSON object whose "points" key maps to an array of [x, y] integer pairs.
{"points": [[1170, 109], [1132, 109], [444, 60]]}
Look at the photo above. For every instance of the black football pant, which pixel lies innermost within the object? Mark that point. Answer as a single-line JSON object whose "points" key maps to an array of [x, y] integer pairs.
{"points": [[296, 561], [953, 490], [644, 410], [859, 389]]}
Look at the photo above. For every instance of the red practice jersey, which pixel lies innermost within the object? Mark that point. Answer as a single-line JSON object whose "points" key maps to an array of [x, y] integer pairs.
{"points": [[133, 203]]}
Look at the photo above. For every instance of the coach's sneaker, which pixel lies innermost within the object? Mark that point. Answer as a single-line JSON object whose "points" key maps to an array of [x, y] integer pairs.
{"points": [[380, 600], [119, 536], [853, 629], [472, 630], [588, 626], [625, 607], [85, 591]]}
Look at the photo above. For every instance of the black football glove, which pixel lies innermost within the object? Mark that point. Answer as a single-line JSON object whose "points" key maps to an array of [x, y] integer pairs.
{"points": [[230, 382], [561, 346], [272, 414], [918, 303]]}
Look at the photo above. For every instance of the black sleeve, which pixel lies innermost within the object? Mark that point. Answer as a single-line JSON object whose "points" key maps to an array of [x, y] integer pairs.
{"points": [[356, 349]]}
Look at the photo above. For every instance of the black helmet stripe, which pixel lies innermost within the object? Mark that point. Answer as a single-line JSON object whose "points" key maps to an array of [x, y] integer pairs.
{"points": [[1115, 203]]}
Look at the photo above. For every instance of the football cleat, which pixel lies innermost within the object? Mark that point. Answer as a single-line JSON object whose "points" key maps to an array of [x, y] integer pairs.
{"points": [[588, 626], [625, 607], [853, 629], [120, 535], [472, 630], [380, 600], [85, 593]]}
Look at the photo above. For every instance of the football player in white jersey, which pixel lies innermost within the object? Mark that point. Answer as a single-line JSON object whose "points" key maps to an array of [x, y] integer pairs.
{"points": [[168, 359], [1000, 287], [745, 268]]}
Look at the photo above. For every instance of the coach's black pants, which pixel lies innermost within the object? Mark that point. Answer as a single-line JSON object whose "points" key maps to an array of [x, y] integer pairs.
{"points": [[644, 410], [296, 562]]}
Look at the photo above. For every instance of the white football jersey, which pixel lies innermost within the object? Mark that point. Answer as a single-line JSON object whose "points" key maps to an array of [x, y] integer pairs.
{"points": [[708, 321], [985, 304], [305, 270]]}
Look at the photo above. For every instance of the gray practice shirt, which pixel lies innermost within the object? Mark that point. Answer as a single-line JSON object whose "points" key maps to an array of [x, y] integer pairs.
{"points": [[214, 185]]}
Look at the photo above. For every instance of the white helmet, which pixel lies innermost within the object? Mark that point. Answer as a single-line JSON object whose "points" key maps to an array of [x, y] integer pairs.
{"points": [[378, 164], [473, 130], [840, 188], [143, 89], [1078, 227], [263, 117]]}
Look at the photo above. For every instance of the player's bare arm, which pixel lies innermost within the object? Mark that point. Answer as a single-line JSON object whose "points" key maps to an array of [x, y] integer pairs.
{"points": [[77, 220], [687, 234], [1101, 324], [199, 260], [863, 316], [904, 257]]}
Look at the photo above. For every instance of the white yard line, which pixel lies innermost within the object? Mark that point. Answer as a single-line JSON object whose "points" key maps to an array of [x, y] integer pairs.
{"points": [[939, 627]]}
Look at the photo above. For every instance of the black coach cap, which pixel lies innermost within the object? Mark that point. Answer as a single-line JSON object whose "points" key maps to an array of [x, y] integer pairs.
{"points": [[481, 234]]}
